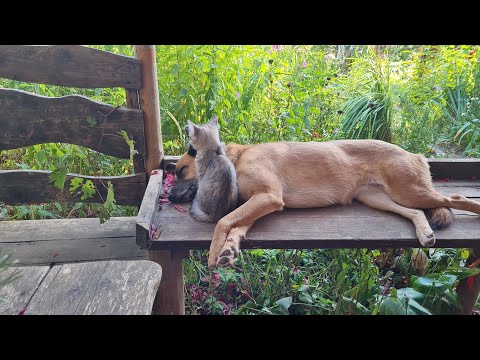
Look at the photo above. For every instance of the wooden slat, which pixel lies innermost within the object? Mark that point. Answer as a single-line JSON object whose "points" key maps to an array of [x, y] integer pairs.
{"points": [[455, 168], [150, 105], [65, 229], [19, 187], [17, 294], [149, 205], [464, 187], [28, 119], [133, 102], [350, 226], [98, 288], [334, 227], [35, 242], [69, 65]]}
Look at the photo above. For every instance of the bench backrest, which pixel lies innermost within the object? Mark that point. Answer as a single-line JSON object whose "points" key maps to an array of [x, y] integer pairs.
{"points": [[27, 119]]}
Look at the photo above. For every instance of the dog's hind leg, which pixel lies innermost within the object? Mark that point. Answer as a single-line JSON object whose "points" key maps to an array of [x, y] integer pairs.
{"points": [[375, 197], [230, 251], [257, 206]]}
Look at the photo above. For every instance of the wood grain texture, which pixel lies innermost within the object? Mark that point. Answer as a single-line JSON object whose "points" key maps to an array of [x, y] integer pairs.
{"points": [[36, 242], [150, 105], [351, 226], [455, 168], [133, 102], [170, 299], [69, 65], [17, 294], [149, 207], [98, 288], [19, 187], [28, 119]]}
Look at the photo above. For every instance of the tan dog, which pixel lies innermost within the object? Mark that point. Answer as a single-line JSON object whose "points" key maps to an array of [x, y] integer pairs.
{"points": [[272, 176]]}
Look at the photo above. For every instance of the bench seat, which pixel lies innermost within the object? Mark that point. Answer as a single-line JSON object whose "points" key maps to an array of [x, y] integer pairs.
{"points": [[352, 226], [90, 288]]}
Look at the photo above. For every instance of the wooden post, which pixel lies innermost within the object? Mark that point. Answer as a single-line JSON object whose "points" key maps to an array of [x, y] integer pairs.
{"points": [[170, 299], [469, 288], [150, 104]]}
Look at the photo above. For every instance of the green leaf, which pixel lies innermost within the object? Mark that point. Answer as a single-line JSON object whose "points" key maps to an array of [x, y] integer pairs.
{"points": [[75, 184], [91, 121], [47, 214], [464, 253], [58, 177], [404, 306], [434, 283], [285, 302], [88, 190], [410, 293]]}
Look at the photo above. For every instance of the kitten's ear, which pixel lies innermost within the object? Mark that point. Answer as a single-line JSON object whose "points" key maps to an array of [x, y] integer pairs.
{"points": [[191, 129], [213, 121]]}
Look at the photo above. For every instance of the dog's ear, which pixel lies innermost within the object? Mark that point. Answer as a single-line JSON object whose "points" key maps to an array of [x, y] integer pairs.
{"points": [[191, 151], [213, 121], [170, 167]]}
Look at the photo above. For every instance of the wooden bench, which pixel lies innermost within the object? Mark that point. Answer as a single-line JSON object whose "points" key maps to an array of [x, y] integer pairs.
{"points": [[92, 288], [353, 226], [27, 119]]}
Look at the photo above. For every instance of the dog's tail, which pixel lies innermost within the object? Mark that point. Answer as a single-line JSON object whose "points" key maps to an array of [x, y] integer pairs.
{"points": [[439, 217]]}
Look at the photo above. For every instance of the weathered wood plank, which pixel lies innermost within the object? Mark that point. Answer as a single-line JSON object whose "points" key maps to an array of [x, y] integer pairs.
{"points": [[28, 119], [70, 240], [468, 188], [133, 102], [150, 104], [65, 229], [75, 250], [17, 294], [455, 168], [170, 299], [350, 226], [19, 187], [149, 206], [69, 65], [98, 288]]}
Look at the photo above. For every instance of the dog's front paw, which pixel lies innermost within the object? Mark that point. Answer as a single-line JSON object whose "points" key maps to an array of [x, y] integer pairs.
{"points": [[427, 239], [228, 254]]}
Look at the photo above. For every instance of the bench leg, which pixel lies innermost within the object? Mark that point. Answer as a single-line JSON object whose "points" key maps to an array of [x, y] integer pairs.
{"points": [[170, 299], [469, 288]]}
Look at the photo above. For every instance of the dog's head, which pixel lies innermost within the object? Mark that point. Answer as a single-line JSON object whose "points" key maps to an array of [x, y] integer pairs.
{"points": [[203, 136], [186, 183]]}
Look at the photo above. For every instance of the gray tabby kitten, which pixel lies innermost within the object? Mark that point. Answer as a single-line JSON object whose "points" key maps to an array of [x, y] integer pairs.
{"points": [[217, 181]]}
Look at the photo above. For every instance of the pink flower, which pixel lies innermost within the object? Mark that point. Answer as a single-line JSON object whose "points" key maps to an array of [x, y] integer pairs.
{"points": [[277, 47], [304, 63], [237, 95]]}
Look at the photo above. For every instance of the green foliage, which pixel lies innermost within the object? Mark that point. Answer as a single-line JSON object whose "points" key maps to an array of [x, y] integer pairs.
{"points": [[368, 110]]}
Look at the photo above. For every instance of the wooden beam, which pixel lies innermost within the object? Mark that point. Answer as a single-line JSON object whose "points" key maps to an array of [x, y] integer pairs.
{"points": [[170, 296], [170, 299], [69, 65], [149, 103], [27, 119], [19, 187], [455, 168]]}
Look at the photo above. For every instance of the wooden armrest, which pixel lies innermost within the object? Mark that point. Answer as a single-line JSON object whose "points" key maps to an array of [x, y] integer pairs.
{"points": [[148, 208]]}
